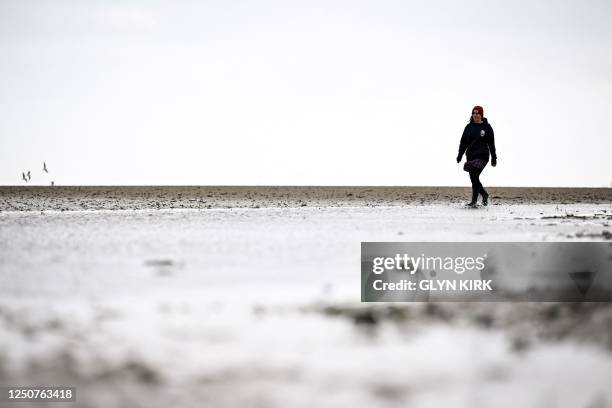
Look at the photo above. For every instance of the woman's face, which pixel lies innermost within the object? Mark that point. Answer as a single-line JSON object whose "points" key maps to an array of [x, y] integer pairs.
{"points": [[476, 116]]}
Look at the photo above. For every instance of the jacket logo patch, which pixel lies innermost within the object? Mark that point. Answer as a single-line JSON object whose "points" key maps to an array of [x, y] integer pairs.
{"points": [[482, 133]]}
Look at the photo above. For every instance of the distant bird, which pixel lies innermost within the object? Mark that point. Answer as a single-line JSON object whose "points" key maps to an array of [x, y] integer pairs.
{"points": [[23, 176], [29, 176], [45, 167], [52, 184]]}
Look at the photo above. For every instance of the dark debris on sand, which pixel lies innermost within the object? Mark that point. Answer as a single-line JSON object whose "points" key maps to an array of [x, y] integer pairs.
{"points": [[524, 322]]}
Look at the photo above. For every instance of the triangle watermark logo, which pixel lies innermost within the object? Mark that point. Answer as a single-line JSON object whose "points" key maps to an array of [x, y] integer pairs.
{"points": [[582, 280]]}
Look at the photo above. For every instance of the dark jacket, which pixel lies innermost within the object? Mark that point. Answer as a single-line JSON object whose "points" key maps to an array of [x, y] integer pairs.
{"points": [[478, 140]]}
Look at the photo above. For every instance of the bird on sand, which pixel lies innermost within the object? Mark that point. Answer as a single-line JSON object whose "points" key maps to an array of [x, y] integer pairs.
{"points": [[23, 176], [45, 167]]}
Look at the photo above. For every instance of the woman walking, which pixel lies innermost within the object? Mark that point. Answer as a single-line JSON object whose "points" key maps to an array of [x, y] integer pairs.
{"points": [[476, 142]]}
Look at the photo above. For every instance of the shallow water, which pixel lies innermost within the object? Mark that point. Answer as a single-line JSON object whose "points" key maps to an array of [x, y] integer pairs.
{"points": [[260, 307]]}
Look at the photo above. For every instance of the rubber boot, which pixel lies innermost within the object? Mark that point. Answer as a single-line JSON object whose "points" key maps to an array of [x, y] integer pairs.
{"points": [[485, 196], [474, 201]]}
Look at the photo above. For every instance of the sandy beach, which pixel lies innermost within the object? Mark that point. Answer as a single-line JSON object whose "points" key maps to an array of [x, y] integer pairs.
{"points": [[64, 198], [249, 296], [273, 204]]}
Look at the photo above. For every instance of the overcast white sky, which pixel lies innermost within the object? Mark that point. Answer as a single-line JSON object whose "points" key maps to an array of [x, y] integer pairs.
{"points": [[316, 92]]}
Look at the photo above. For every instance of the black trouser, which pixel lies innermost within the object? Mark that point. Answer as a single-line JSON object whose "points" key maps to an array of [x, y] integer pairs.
{"points": [[476, 185]]}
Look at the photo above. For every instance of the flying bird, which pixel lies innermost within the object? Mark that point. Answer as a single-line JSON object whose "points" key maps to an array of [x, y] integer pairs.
{"points": [[23, 176], [45, 167], [29, 176]]}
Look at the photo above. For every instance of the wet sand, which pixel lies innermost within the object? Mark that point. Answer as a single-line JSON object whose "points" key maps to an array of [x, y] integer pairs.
{"points": [[254, 302], [62, 198]]}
